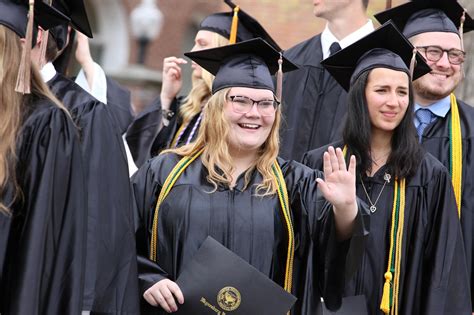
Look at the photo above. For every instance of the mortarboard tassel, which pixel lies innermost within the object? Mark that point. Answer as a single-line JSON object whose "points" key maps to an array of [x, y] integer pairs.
{"points": [[24, 72], [388, 4], [461, 35], [279, 77], [234, 26], [461, 28], [44, 44], [413, 63]]}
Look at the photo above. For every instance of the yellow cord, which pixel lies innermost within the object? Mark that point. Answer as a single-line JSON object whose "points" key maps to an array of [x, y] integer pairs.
{"points": [[168, 184], [174, 143], [456, 154], [385, 304], [282, 195], [398, 255]]}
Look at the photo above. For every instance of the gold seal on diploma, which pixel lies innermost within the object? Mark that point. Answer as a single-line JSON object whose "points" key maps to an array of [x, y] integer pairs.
{"points": [[228, 298]]}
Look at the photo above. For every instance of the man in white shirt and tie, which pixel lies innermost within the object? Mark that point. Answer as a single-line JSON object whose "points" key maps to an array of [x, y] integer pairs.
{"points": [[314, 104]]}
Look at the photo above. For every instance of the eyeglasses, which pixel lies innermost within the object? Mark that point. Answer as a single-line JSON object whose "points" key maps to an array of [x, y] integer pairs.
{"points": [[435, 53], [243, 105]]}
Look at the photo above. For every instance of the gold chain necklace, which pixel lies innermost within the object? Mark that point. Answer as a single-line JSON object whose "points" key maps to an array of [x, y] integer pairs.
{"points": [[373, 206]]}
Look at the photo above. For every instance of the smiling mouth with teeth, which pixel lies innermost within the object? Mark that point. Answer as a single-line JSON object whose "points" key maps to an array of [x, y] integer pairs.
{"points": [[249, 126]]}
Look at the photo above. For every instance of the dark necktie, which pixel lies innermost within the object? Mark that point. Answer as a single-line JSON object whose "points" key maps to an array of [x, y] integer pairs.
{"points": [[335, 47], [425, 117]]}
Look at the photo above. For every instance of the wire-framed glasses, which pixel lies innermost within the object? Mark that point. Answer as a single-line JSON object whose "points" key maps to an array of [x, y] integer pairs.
{"points": [[243, 104], [435, 53]]}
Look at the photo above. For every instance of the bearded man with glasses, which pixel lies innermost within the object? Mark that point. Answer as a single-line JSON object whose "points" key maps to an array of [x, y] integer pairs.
{"points": [[445, 124]]}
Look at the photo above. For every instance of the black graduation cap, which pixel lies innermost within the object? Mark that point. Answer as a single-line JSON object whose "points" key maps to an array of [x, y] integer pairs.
{"points": [[249, 63], [427, 16], [76, 11], [247, 27], [217, 281], [14, 15], [386, 47]]}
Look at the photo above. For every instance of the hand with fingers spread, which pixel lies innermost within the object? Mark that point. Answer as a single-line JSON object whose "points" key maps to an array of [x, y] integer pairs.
{"points": [[172, 80], [164, 293], [339, 189]]}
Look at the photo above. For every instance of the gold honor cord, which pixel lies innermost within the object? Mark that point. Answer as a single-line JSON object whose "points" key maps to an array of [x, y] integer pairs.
{"points": [[389, 303], [174, 143], [284, 201], [455, 151], [169, 182], [282, 195]]}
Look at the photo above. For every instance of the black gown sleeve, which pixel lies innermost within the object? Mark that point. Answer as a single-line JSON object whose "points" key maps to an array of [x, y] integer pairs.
{"points": [[46, 250], [146, 185], [320, 257], [445, 283], [145, 137], [119, 102]]}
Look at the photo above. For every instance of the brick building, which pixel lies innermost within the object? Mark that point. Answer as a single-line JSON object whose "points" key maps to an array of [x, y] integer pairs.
{"points": [[289, 22]]}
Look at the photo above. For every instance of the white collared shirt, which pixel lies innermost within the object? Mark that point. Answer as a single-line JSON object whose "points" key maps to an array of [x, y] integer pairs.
{"points": [[327, 37], [99, 83], [48, 72]]}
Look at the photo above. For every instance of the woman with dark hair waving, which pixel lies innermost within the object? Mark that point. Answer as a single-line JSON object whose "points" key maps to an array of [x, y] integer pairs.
{"points": [[279, 216], [42, 193], [414, 258]]}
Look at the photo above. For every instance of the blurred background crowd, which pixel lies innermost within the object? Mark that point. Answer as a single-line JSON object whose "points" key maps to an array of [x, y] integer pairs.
{"points": [[131, 37]]}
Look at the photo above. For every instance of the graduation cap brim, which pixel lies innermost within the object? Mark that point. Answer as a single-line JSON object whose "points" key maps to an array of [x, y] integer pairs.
{"points": [[212, 59], [402, 13], [216, 279], [76, 11], [253, 25], [47, 16], [14, 15], [342, 64]]}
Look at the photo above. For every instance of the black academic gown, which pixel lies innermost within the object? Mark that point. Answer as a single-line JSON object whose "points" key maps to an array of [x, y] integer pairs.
{"points": [[250, 226], [434, 278], [146, 136], [44, 236], [436, 141], [314, 104], [119, 103], [110, 285]]}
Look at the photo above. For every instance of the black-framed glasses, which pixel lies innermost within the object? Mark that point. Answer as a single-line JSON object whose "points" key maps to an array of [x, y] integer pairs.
{"points": [[243, 105], [435, 53]]}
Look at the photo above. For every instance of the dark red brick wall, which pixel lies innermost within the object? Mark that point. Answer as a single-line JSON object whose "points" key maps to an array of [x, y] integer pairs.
{"points": [[288, 21]]}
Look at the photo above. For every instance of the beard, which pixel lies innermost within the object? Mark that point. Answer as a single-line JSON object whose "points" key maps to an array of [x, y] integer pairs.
{"points": [[427, 92]]}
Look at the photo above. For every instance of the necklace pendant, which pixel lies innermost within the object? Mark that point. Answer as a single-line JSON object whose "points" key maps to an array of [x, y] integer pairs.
{"points": [[373, 208]]}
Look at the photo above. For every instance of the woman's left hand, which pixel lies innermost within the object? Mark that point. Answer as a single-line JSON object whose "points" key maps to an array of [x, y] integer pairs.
{"points": [[339, 189]]}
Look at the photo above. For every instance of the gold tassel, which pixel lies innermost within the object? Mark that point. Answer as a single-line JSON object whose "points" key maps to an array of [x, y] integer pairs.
{"points": [[413, 63], [24, 72], [385, 304], [279, 78], [44, 44], [234, 26]]}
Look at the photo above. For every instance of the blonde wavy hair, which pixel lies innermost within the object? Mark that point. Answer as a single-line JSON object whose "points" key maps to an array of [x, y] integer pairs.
{"points": [[201, 87], [13, 107], [213, 138]]}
